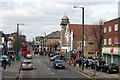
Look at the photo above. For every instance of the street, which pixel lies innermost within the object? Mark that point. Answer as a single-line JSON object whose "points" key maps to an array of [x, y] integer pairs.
{"points": [[43, 69]]}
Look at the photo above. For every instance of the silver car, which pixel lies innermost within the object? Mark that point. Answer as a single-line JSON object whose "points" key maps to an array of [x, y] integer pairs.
{"points": [[27, 64], [29, 56]]}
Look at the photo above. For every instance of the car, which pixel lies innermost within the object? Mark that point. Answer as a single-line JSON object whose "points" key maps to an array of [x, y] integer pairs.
{"points": [[90, 62], [58, 57], [110, 67], [29, 56], [55, 58], [27, 64], [2, 57], [100, 64], [58, 64], [25, 53]]}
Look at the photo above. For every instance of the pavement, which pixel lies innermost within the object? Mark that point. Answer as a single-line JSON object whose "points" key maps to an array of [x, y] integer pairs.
{"points": [[0, 72], [93, 74], [11, 72]]}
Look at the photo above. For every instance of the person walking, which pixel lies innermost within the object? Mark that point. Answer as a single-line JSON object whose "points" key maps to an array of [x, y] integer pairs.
{"points": [[87, 62], [80, 63], [4, 63]]}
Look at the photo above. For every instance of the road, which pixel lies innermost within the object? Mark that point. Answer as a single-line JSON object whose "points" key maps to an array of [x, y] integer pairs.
{"points": [[43, 70]]}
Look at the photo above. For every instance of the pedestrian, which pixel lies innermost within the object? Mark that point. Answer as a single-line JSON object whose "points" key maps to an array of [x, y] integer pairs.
{"points": [[45, 53], [80, 63], [72, 60], [87, 62], [4, 63]]}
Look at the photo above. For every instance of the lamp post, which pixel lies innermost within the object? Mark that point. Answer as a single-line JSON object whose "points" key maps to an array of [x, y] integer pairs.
{"points": [[82, 34], [17, 55], [45, 41]]}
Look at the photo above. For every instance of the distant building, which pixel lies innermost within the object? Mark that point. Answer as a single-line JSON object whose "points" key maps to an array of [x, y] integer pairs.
{"points": [[111, 48], [53, 41], [63, 41]]}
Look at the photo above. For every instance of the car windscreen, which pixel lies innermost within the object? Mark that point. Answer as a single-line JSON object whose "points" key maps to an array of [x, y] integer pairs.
{"points": [[101, 62], [58, 61], [4, 57], [112, 64], [27, 62]]}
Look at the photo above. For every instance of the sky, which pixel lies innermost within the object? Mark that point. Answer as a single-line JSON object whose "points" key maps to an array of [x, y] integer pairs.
{"points": [[44, 16]]}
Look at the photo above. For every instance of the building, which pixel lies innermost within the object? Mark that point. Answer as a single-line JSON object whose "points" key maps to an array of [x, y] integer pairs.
{"points": [[53, 41], [111, 48], [71, 36], [64, 40], [39, 41], [3, 43]]}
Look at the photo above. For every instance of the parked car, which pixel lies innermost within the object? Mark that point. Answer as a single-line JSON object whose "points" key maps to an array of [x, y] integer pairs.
{"points": [[55, 58], [58, 57], [58, 64], [2, 57], [99, 64], [27, 64], [110, 67], [90, 62], [29, 56]]}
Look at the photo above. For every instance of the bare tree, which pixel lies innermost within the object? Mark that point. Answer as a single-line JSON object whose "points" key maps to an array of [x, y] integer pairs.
{"points": [[99, 34]]}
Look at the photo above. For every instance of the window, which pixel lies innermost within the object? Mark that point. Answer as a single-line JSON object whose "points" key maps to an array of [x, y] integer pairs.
{"points": [[105, 30], [116, 27], [105, 41], [110, 41], [110, 28], [80, 45], [116, 40]]}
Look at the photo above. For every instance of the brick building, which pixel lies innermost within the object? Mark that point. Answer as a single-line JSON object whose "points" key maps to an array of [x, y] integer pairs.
{"points": [[90, 43], [53, 41], [111, 47]]}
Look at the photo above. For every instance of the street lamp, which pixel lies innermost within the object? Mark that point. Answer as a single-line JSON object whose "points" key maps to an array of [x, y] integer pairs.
{"points": [[17, 56], [82, 34]]}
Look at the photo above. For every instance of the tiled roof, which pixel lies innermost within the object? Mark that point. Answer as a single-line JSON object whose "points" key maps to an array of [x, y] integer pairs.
{"points": [[77, 31], [55, 34]]}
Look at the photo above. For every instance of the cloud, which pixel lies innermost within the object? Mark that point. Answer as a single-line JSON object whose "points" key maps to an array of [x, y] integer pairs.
{"points": [[40, 16]]}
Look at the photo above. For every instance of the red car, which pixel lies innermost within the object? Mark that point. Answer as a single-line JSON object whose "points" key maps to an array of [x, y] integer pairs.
{"points": [[26, 52]]}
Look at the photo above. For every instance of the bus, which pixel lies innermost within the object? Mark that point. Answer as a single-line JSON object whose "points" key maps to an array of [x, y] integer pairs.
{"points": [[24, 48]]}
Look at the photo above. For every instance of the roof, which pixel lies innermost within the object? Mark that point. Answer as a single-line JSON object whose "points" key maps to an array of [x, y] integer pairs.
{"points": [[112, 20], [77, 31], [65, 17], [55, 34]]}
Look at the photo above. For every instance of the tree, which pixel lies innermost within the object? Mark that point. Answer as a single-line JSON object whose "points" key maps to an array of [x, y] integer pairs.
{"points": [[99, 35], [20, 41]]}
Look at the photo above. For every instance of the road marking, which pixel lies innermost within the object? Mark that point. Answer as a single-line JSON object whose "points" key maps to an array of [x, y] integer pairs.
{"points": [[48, 68], [53, 73]]}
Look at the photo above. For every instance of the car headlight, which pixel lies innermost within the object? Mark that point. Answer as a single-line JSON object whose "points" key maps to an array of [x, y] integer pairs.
{"points": [[57, 65]]}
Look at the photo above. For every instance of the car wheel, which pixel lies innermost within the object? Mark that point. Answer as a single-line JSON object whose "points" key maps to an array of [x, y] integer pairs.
{"points": [[108, 71], [32, 68], [102, 70], [118, 71], [55, 67]]}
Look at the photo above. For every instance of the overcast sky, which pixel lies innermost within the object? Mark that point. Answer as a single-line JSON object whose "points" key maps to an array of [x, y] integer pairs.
{"points": [[44, 16]]}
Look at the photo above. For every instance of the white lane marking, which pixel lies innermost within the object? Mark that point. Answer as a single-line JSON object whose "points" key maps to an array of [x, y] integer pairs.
{"points": [[53, 73], [48, 68]]}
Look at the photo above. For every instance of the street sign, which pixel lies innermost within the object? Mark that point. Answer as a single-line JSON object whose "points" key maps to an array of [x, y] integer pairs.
{"points": [[70, 51]]}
